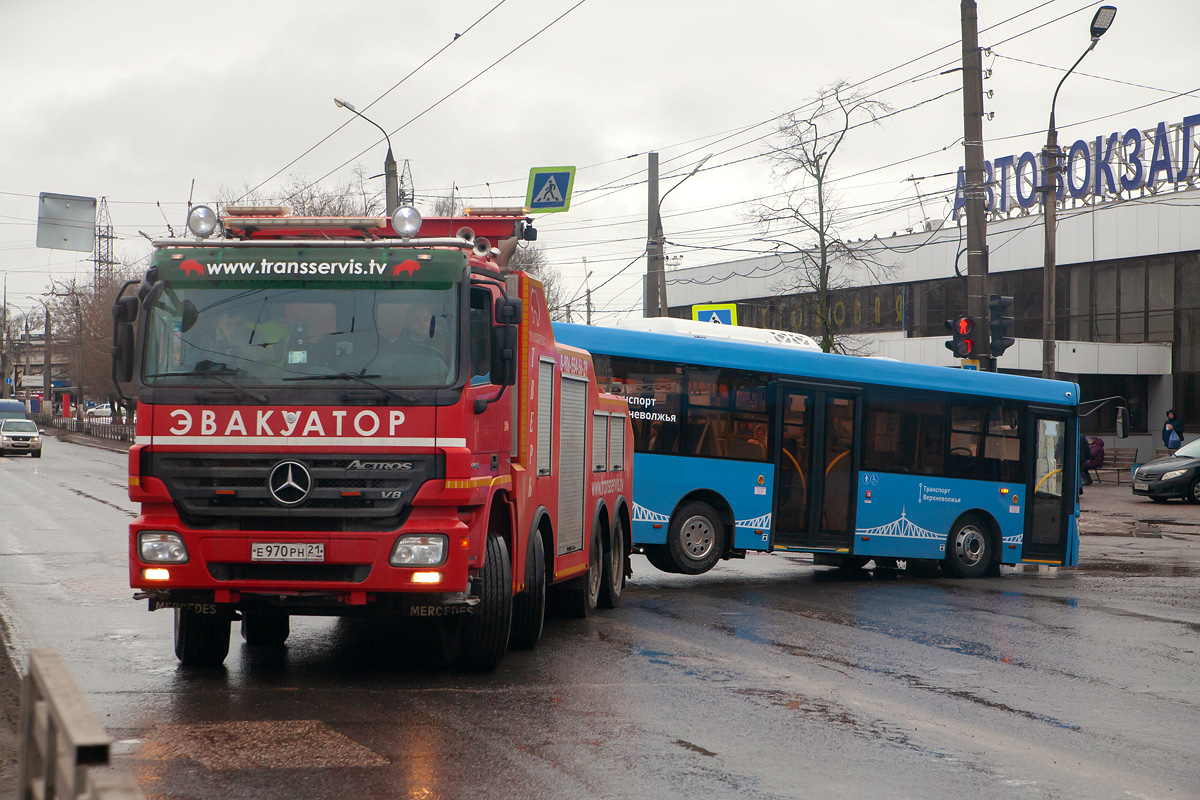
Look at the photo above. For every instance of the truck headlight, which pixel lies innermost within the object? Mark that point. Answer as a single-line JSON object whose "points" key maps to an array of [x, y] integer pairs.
{"points": [[1175, 473], [418, 550], [159, 547]]}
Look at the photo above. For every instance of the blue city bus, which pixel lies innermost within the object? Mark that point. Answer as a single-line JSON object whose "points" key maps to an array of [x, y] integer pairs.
{"points": [[771, 445]]}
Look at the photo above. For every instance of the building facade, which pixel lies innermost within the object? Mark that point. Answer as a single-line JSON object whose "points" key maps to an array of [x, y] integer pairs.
{"points": [[1127, 297]]}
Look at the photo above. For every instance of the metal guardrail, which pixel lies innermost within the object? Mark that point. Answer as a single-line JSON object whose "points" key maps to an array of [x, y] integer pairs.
{"points": [[60, 738], [101, 430]]}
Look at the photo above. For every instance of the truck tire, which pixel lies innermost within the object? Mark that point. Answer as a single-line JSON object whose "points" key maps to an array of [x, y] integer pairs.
{"points": [[612, 579], [581, 595], [201, 640], [485, 632], [970, 549], [265, 628], [529, 607], [695, 538]]}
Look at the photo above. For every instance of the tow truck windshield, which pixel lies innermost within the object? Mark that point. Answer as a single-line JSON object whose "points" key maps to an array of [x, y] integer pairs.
{"points": [[401, 336]]}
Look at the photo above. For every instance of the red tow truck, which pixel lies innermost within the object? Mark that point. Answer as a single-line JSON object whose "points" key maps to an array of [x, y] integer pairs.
{"points": [[367, 416]]}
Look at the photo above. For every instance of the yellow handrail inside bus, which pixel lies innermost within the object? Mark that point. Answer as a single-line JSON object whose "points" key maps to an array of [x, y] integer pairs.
{"points": [[803, 482], [1043, 480], [836, 459]]}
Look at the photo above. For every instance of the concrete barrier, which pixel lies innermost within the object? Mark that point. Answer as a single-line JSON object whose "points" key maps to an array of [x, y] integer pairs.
{"points": [[60, 738]]}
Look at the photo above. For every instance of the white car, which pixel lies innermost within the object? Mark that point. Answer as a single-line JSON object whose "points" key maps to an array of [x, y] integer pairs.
{"points": [[20, 436], [98, 413]]}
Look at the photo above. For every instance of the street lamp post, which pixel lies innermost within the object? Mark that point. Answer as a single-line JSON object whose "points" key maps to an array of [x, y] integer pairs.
{"points": [[1100, 23], [391, 176], [656, 277]]}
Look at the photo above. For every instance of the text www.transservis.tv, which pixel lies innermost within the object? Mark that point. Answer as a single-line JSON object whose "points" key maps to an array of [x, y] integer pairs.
{"points": [[268, 267]]}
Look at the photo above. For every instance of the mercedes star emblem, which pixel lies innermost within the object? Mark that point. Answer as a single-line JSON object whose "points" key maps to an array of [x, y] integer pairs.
{"points": [[290, 483]]}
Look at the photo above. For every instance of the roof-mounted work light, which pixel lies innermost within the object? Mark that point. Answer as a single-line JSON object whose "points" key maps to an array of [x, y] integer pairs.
{"points": [[406, 221], [202, 221]]}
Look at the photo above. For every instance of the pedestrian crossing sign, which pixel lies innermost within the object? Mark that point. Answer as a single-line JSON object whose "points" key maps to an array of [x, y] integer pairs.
{"points": [[550, 189], [719, 313]]}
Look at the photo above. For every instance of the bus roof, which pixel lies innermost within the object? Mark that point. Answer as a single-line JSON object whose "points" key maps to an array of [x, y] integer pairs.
{"points": [[803, 363]]}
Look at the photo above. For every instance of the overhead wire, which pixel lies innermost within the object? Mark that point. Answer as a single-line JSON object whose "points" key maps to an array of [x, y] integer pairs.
{"points": [[395, 86]]}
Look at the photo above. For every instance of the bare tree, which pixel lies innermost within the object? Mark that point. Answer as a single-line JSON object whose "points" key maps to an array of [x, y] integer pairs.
{"points": [[447, 206], [81, 317], [823, 260], [355, 198], [532, 259]]}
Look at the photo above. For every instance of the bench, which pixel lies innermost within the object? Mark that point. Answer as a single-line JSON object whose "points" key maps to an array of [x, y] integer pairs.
{"points": [[1162, 453], [1119, 460]]}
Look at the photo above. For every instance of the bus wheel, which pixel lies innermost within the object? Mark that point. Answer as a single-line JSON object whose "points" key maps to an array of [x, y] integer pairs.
{"points": [[969, 551], [265, 628], [695, 538], [201, 640], [529, 607], [659, 558], [583, 593], [612, 581], [485, 631]]}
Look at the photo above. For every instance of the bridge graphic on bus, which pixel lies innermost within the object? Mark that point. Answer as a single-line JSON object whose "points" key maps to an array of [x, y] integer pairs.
{"points": [[904, 528], [643, 514]]}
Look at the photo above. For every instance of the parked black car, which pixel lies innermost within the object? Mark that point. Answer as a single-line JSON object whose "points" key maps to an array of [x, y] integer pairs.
{"points": [[1176, 475]]}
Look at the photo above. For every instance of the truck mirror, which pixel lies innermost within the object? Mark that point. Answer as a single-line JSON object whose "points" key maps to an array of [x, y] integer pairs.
{"points": [[125, 309], [504, 354], [1122, 422], [508, 311], [122, 352]]}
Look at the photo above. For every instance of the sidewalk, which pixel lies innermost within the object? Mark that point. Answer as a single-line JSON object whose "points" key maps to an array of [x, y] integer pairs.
{"points": [[1109, 509]]}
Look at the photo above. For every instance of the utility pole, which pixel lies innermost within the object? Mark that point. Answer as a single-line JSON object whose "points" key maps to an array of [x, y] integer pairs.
{"points": [[655, 279], [78, 360], [4, 345], [47, 385], [975, 190]]}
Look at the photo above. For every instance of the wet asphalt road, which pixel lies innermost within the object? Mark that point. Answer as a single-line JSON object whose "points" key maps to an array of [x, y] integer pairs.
{"points": [[765, 678]]}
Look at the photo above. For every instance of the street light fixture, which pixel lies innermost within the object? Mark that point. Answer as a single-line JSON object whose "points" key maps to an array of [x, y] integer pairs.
{"points": [[1101, 22], [654, 243], [391, 176]]}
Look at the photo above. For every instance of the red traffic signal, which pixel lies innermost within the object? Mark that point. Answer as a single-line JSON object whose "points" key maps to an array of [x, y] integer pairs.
{"points": [[963, 342]]}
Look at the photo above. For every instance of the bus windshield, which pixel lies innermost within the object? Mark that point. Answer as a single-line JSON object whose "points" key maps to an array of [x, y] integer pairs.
{"points": [[404, 335]]}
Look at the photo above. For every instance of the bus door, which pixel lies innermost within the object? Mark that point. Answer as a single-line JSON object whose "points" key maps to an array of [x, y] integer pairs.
{"points": [[1052, 475], [817, 467]]}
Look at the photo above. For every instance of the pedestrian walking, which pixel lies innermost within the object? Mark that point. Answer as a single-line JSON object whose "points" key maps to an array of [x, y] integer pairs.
{"points": [[1172, 432]]}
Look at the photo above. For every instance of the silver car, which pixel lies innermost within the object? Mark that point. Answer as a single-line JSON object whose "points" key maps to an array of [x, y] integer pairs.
{"points": [[18, 436]]}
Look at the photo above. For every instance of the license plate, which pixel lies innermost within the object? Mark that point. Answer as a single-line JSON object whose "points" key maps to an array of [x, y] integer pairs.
{"points": [[1141, 487], [290, 551]]}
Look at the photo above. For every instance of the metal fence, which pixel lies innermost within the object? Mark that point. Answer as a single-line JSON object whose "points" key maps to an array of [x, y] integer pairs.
{"points": [[60, 738], [101, 430]]}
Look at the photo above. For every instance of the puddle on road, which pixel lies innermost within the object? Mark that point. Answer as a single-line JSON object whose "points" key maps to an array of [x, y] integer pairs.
{"points": [[1139, 569]]}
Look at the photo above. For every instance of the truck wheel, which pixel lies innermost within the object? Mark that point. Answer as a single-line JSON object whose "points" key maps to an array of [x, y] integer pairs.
{"points": [[529, 607], [485, 632], [265, 628], [201, 640], [612, 580], [659, 558], [581, 595], [695, 539], [969, 550]]}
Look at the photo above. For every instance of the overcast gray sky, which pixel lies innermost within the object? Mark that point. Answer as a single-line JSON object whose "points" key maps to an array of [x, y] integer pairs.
{"points": [[135, 100]]}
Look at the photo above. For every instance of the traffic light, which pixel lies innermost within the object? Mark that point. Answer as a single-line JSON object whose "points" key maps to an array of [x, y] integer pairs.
{"points": [[963, 344], [1000, 309]]}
